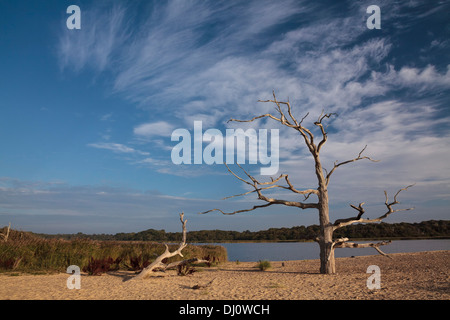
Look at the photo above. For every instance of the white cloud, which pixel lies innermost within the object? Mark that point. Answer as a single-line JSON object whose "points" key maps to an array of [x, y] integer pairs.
{"points": [[425, 78], [148, 130], [106, 117], [117, 148]]}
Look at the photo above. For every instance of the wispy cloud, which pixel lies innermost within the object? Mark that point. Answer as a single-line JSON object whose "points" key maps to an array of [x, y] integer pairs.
{"points": [[209, 61], [104, 31], [212, 61], [107, 117], [117, 148], [148, 130]]}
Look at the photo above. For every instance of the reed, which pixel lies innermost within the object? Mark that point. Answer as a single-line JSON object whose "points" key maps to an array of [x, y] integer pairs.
{"points": [[28, 253]]}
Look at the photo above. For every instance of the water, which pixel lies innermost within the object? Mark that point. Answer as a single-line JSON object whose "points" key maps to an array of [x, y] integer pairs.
{"points": [[283, 251]]}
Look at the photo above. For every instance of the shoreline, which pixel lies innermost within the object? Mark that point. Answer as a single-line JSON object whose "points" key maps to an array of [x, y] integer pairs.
{"points": [[419, 276], [312, 241]]}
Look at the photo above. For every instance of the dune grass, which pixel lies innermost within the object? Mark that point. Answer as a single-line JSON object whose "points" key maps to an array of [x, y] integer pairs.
{"points": [[27, 253]]}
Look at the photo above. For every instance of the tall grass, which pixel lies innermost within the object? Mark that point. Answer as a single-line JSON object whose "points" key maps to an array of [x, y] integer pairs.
{"points": [[27, 253]]}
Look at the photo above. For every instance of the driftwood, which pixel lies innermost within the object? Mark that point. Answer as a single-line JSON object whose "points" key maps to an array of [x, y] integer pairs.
{"points": [[184, 262], [6, 235], [158, 264], [203, 286]]}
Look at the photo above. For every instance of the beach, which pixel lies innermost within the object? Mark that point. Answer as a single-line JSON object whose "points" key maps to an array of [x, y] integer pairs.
{"points": [[417, 276]]}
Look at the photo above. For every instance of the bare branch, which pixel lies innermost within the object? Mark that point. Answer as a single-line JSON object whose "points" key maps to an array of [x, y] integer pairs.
{"points": [[345, 244], [234, 174], [257, 185], [255, 118], [306, 193], [322, 129], [306, 115], [270, 201], [359, 157], [239, 211], [307, 134], [358, 219], [253, 178], [260, 186]]}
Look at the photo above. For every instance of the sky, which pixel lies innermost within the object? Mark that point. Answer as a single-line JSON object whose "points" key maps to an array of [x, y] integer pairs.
{"points": [[87, 115]]}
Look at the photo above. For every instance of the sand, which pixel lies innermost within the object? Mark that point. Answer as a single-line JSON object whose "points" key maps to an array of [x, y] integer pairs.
{"points": [[419, 276]]}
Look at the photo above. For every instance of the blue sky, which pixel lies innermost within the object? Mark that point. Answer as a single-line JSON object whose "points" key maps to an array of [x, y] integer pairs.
{"points": [[86, 115]]}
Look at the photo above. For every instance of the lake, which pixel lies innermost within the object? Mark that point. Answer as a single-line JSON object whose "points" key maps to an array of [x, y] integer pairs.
{"points": [[282, 251]]}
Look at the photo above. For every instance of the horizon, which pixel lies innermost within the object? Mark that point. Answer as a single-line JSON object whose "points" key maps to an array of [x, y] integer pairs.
{"points": [[135, 232], [88, 114]]}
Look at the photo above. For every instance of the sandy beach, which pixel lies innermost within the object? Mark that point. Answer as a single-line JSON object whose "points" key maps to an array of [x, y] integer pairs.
{"points": [[421, 276]]}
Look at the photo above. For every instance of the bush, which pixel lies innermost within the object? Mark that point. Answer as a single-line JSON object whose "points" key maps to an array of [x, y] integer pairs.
{"points": [[138, 263], [264, 265], [96, 267], [185, 269]]}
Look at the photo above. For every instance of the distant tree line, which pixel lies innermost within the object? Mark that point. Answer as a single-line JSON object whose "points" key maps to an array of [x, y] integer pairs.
{"points": [[424, 229]]}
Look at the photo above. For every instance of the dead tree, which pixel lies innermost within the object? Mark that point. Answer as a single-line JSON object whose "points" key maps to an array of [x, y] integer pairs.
{"points": [[160, 265], [325, 239]]}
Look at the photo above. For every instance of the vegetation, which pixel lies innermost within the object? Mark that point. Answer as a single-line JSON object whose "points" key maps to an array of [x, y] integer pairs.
{"points": [[28, 252], [263, 265], [185, 270], [25, 252], [425, 229]]}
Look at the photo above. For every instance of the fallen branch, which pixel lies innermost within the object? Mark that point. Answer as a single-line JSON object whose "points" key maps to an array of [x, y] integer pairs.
{"points": [[160, 265], [202, 286], [184, 262]]}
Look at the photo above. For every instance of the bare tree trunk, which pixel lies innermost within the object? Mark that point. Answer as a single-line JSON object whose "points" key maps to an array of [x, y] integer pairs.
{"points": [[327, 264]]}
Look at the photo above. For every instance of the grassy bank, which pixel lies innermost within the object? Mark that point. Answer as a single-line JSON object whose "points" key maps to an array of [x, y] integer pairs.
{"points": [[24, 252]]}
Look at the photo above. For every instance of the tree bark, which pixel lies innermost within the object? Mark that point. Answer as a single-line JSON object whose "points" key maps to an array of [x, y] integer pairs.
{"points": [[326, 244], [327, 263]]}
